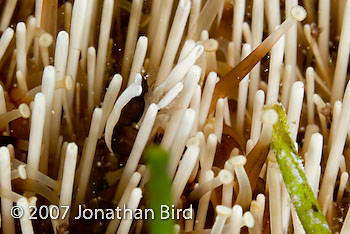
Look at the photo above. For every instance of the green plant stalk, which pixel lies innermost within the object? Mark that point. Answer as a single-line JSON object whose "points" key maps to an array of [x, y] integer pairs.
{"points": [[300, 192], [159, 189]]}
